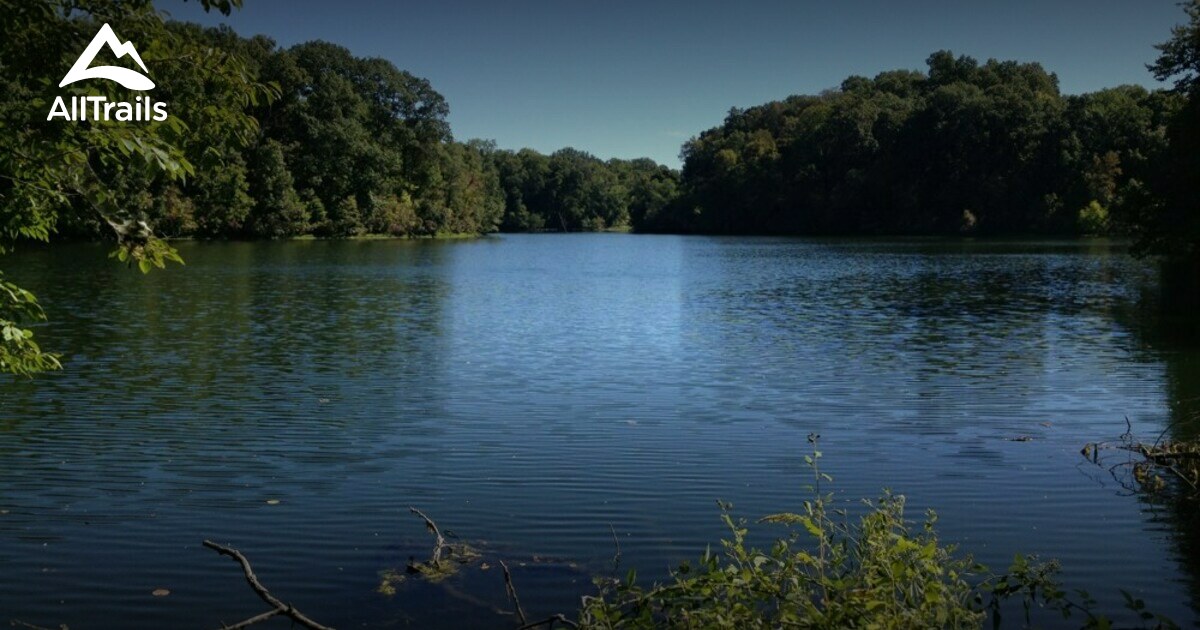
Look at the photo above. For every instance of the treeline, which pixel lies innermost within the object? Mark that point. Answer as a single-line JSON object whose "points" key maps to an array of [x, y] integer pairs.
{"points": [[347, 146], [963, 148], [344, 146], [573, 191]]}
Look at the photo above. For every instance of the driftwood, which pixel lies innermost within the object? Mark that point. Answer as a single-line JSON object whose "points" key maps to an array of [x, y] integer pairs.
{"points": [[1137, 471], [512, 593], [278, 606], [617, 555], [550, 621], [436, 558], [17, 623], [510, 589]]}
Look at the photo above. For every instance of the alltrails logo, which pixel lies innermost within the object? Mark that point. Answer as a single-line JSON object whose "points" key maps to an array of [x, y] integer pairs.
{"points": [[99, 107]]}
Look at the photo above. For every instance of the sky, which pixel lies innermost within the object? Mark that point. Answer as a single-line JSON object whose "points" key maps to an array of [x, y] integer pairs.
{"points": [[637, 79]]}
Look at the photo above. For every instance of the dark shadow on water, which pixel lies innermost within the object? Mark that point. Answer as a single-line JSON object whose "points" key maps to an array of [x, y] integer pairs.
{"points": [[1166, 323]]}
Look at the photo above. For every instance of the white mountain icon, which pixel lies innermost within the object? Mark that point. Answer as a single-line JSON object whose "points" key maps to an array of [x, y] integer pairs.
{"points": [[126, 77]]}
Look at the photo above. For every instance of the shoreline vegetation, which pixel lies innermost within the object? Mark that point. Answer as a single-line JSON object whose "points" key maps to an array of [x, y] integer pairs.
{"points": [[836, 564], [839, 564]]}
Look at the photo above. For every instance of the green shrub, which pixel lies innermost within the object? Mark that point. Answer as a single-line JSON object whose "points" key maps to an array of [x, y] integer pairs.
{"points": [[1093, 218], [880, 571]]}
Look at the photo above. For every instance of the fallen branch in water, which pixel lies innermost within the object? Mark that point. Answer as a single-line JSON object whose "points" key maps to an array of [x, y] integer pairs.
{"points": [[280, 608], [1179, 459], [525, 624], [512, 593], [550, 621], [17, 623], [617, 556], [270, 614], [445, 561], [436, 558], [460, 554]]}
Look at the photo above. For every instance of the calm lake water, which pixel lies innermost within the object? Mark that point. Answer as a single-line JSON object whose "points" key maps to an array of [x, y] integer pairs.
{"points": [[528, 392]]}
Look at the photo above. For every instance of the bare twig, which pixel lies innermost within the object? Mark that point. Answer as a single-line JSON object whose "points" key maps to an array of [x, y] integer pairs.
{"points": [[436, 558], [550, 621], [525, 623], [280, 608], [617, 556], [1180, 460], [17, 623], [472, 600], [512, 593], [253, 620]]}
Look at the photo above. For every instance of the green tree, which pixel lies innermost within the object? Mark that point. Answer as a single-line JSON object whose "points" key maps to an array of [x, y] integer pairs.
{"points": [[989, 147], [1179, 58], [50, 169], [572, 190], [1173, 226], [583, 195], [651, 191], [277, 209]]}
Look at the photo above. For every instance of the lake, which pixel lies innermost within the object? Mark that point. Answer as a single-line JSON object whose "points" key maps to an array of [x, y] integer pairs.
{"points": [[536, 394]]}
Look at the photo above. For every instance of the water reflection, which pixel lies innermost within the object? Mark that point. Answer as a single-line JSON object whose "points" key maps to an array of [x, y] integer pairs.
{"points": [[1168, 329]]}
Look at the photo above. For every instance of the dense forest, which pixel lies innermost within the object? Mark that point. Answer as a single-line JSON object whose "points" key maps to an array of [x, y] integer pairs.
{"points": [[963, 147], [346, 146], [272, 142]]}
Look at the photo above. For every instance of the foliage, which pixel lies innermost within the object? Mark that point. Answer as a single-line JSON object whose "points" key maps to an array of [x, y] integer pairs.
{"points": [[55, 174], [338, 145], [19, 353], [1093, 218], [346, 145], [276, 208], [571, 191], [1171, 224], [911, 152], [1179, 57], [881, 572]]}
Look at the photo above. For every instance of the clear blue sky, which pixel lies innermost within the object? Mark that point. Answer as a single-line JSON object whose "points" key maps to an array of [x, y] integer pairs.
{"points": [[631, 79]]}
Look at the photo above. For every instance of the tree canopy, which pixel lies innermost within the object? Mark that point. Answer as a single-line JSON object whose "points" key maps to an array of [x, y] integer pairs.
{"points": [[1170, 222], [965, 147], [53, 174]]}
